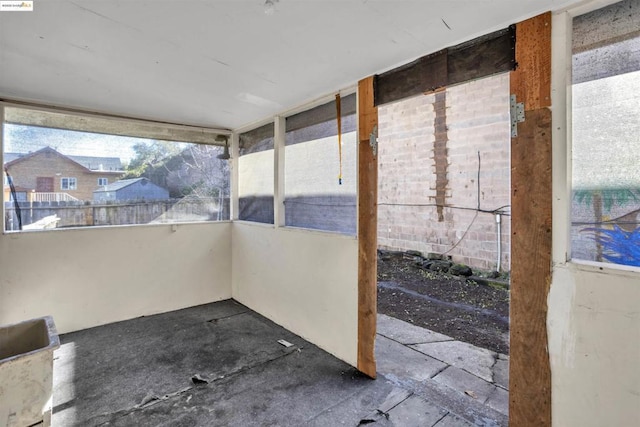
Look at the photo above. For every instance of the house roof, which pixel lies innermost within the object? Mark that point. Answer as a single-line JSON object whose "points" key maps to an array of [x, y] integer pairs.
{"points": [[90, 163], [226, 63], [119, 185], [9, 157], [99, 163]]}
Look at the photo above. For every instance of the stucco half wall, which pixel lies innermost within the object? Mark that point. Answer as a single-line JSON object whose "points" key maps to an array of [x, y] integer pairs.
{"points": [[594, 346], [303, 280], [89, 277]]}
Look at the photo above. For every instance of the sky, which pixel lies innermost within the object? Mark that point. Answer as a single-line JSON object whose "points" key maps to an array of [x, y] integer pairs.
{"points": [[25, 139]]}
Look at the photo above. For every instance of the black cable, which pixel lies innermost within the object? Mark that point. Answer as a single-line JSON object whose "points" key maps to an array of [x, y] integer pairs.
{"points": [[463, 234], [16, 205], [474, 216], [435, 205]]}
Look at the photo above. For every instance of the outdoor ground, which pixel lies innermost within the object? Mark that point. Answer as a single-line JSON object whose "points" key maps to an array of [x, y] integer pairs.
{"points": [[465, 309]]}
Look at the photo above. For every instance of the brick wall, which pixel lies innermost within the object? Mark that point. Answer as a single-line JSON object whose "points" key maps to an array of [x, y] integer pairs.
{"points": [[428, 155]]}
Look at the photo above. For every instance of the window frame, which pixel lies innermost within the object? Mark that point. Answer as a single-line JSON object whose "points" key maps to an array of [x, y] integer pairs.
{"points": [[105, 180], [117, 126], [69, 181], [281, 147], [562, 88]]}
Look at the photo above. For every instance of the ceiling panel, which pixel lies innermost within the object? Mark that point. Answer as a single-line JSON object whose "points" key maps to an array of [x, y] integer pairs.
{"points": [[225, 64]]}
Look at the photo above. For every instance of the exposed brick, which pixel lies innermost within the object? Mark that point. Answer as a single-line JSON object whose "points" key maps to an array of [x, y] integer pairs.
{"points": [[476, 120]]}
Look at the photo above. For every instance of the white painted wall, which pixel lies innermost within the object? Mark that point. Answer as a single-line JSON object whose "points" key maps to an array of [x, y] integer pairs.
{"points": [[89, 277], [255, 171], [312, 168], [593, 310], [303, 280], [594, 343]]}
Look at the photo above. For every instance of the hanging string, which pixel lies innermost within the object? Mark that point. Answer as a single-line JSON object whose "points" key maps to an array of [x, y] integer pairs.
{"points": [[339, 117]]}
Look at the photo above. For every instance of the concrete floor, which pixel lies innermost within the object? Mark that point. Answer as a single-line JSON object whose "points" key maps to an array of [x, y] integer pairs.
{"points": [[141, 372]]}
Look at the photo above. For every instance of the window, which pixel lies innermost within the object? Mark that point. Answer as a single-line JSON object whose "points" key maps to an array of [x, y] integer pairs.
{"points": [[605, 210], [142, 177], [320, 168], [68, 183], [255, 175]]}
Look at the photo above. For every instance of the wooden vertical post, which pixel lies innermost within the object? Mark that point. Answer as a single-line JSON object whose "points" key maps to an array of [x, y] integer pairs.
{"points": [[367, 229], [531, 197]]}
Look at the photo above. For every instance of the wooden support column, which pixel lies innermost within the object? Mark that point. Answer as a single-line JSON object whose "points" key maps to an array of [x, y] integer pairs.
{"points": [[530, 372], [367, 229]]}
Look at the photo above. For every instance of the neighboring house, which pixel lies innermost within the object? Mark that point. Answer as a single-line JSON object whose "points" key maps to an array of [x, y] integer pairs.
{"points": [[131, 189], [49, 171]]}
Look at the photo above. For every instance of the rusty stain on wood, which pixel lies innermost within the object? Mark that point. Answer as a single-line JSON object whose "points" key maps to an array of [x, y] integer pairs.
{"points": [[367, 229], [530, 372]]}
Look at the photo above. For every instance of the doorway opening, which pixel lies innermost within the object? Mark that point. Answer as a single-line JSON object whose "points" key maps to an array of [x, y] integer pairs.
{"points": [[444, 232]]}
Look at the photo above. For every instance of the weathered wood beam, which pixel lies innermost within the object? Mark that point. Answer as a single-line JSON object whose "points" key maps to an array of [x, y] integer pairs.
{"points": [[367, 229], [481, 57], [529, 371]]}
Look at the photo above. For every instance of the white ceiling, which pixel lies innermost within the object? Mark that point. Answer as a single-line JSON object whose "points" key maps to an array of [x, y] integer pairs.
{"points": [[225, 64]]}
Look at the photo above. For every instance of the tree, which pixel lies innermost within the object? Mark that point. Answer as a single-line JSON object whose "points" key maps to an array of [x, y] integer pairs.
{"points": [[149, 157], [183, 169]]}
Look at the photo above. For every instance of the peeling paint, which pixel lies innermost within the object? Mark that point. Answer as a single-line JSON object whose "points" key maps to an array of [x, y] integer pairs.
{"points": [[561, 333]]}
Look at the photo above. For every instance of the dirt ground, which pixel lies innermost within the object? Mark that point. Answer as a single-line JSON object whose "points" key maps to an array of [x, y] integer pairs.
{"points": [[461, 308]]}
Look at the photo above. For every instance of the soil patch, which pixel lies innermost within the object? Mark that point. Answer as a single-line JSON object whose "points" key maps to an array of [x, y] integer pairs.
{"points": [[455, 306]]}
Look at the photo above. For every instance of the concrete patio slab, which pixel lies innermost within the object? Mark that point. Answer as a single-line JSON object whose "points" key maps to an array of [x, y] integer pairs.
{"points": [[396, 359], [406, 333], [467, 384], [452, 421], [499, 400], [416, 412], [501, 373], [475, 360]]}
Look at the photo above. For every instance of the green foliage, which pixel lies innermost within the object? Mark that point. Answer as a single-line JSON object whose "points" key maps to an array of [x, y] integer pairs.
{"points": [[151, 156]]}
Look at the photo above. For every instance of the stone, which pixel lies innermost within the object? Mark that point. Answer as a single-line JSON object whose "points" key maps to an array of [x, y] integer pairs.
{"points": [[452, 421], [434, 256], [440, 266], [416, 412], [475, 360], [426, 265], [469, 385], [403, 362], [501, 373], [499, 401], [406, 333], [460, 270]]}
